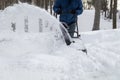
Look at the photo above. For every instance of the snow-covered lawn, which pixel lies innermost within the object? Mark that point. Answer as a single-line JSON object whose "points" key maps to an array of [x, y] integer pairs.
{"points": [[86, 21], [44, 56]]}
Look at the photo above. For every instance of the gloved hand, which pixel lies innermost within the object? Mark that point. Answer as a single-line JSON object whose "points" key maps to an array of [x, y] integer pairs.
{"points": [[59, 12], [73, 11]]}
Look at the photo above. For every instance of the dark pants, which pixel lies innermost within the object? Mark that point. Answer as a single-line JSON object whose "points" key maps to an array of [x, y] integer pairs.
{"points": [[71, 29]]}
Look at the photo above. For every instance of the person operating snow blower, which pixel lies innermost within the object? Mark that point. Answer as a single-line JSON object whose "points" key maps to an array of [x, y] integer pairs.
{"points": [[68, 11]]}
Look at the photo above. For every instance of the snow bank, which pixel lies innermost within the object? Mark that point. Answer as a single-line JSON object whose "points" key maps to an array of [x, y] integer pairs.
{"points": [[30, 55], [37, 21], [101, 36], [19, 12], [104, 50]]}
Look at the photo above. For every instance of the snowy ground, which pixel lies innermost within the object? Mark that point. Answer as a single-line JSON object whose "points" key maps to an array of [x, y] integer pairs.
{"points": [[44, 56], [86, 20]]}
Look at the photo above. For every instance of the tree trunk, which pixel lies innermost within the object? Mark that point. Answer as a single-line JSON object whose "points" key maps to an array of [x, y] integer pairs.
{"points": [[46, 4], [96, 25], [51, 3], [115, 15], [111, 9]]}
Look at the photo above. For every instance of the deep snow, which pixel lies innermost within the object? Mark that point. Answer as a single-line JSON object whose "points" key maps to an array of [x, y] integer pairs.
{"points": [[44, 56]]}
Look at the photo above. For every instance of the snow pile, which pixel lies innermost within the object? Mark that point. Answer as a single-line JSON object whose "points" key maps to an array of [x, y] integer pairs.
{"points": [[19, 12], [39, 24], [31, 55]]}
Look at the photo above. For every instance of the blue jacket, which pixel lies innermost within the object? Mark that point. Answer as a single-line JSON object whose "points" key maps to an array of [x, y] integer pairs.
{"points": [[66, 7]]}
